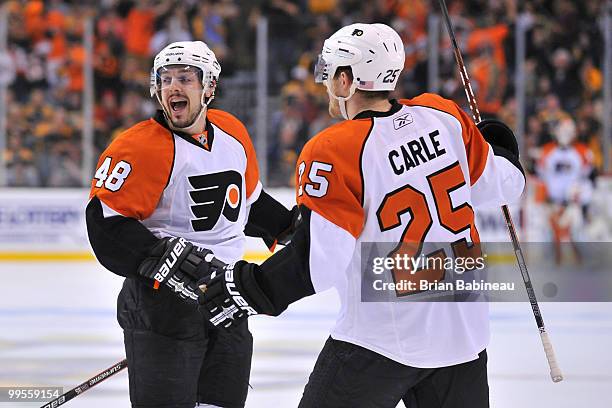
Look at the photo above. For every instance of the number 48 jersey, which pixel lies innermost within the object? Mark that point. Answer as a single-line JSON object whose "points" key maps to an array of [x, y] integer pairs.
{"points": [[410, 175], [198, 187]]}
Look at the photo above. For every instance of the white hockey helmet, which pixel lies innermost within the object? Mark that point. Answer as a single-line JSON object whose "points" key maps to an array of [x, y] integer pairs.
{"points": [[191, 53], [565, 131], [374, 52]]}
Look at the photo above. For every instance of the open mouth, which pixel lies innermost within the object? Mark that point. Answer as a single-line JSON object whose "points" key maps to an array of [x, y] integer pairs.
{"points": [[178, 105]]}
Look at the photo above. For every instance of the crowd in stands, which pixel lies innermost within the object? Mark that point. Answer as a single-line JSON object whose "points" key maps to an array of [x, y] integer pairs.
{"points": [[45, 42]]}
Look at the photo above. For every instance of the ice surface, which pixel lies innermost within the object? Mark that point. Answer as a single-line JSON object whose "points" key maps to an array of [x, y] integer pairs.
{"points": [[58, 328]]}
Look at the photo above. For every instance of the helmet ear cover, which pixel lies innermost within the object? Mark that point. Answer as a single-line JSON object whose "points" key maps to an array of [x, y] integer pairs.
{"points": [[366, 94]]}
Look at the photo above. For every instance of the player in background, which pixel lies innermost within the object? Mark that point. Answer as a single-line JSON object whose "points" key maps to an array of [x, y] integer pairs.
{"points": [[167, 186], [407, 171], [566, 169]]}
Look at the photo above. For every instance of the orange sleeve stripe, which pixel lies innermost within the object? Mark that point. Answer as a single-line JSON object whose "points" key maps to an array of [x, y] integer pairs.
{"points": [[476, 147], [233, 127], [149, 150], [341, 147]]}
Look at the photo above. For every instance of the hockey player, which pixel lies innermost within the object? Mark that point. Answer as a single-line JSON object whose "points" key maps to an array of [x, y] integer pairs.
{"points": [[186, 178], [566, 168], [407, 171]]}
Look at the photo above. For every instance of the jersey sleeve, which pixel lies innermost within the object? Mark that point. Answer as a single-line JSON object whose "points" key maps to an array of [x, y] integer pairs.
{"points": [[329, 177], [268, 219], [131, 175], [586, 155], [329, 183], [496, 176], [134, 170], [500, 183], [330, 253], [312, 262], [329, 192], [119, 243], [232, 126]]}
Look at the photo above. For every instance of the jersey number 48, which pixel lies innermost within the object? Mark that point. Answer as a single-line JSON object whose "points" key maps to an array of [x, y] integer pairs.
{"points": [[117, 176]]}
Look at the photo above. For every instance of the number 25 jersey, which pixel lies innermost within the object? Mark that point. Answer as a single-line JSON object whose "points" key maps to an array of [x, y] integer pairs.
{"points": [[412, 174]]}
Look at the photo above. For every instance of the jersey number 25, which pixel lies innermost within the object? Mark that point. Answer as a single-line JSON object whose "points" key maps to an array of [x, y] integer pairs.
{"points": [[407, 199]]}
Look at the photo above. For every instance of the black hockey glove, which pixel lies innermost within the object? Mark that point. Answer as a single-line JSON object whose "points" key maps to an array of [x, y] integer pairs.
{"points": [[284, 237], [231, 293], [178, 264], [499, 134], [296, 218]]}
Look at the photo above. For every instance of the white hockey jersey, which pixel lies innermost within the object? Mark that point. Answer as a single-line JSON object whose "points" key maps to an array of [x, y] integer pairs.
{"points": [[196, 187], [565, 171], [413, 174]]}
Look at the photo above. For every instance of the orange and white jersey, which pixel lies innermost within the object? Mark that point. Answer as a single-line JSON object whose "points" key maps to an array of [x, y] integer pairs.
{"points": [[196, 187], [565, 172], [412, 174]]}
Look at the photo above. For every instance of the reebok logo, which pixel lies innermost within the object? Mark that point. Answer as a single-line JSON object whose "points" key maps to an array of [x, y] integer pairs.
{"points": [[402, 121]]}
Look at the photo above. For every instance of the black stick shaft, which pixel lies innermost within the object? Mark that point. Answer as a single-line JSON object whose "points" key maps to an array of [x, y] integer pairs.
{"points": [[465, 79], [555, 371], [508, 218], [95, 380]]}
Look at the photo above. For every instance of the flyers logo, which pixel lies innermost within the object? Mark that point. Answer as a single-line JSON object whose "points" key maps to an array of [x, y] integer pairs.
{"points": [[214, 195]]}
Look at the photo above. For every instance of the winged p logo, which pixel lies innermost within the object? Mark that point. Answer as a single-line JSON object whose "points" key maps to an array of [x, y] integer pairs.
{"points": [[215, 194]]}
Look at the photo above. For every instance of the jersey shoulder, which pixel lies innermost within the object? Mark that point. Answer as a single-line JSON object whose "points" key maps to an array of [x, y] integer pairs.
{"points": [[329, 179], [434, 101], [140, 139], [549, 147], [134, 169], [230, 124], [585, 153], [476, 148], [342, 142]]}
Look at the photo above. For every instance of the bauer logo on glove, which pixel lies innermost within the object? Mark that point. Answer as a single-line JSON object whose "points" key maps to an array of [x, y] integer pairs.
{"points": [[170, 261], [230, 294], [177, 264], [231, 289]]}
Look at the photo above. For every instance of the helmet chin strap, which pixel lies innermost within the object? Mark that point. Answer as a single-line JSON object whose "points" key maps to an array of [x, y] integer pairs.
{"points": [[341, 99]]}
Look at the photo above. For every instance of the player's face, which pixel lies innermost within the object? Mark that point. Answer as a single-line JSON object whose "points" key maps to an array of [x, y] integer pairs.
{"points": [[181, 92]]}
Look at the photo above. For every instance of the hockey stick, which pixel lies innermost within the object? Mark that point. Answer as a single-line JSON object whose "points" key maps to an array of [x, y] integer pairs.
{"points": [[555, 371], [75, 392]]}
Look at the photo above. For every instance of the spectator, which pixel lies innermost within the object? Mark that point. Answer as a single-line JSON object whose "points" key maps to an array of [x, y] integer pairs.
{"points": [[45, 41]]}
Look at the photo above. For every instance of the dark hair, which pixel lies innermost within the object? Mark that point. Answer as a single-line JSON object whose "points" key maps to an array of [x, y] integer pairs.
{"points": [[366, 94]]}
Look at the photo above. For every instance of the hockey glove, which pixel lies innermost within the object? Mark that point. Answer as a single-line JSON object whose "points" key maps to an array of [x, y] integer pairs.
{"points": [[178, 264], [296, 218], [499, 134], [231, 294]]}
